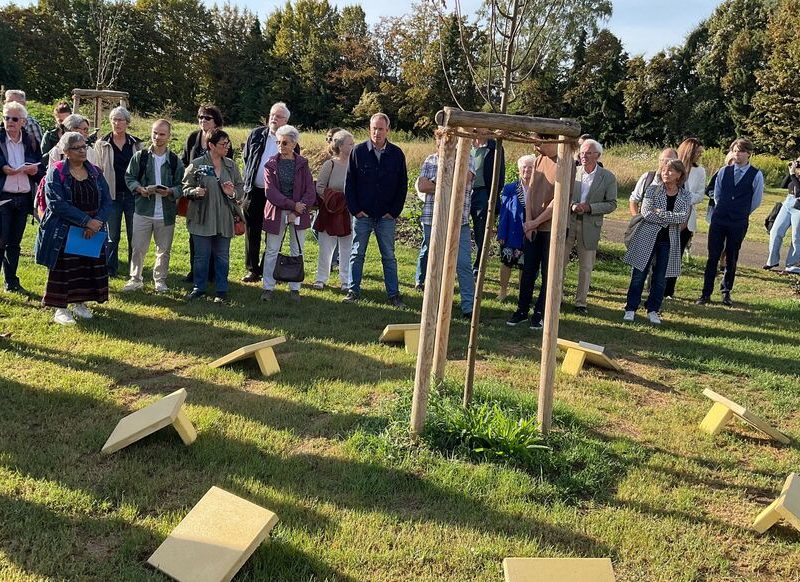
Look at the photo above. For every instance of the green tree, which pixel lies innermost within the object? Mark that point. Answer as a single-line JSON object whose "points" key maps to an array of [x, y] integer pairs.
{"points": [[776, 105]]}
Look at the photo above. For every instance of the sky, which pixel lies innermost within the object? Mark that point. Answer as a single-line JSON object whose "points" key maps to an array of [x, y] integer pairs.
{"points": [[644, 26]]}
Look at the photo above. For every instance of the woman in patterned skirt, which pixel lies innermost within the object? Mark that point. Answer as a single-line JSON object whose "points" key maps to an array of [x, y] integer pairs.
{"points": [[77, 195], [509, 228]]}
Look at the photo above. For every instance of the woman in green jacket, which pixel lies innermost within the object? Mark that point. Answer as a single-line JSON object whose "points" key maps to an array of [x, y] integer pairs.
{"points": [[213, 185]]}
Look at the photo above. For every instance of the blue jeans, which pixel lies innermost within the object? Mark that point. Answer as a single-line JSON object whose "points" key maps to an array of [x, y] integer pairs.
{"points": [[788, 216], [466, 282], [13, 218], [205, 247], [384, 233], [122, 205], [658, 281]]}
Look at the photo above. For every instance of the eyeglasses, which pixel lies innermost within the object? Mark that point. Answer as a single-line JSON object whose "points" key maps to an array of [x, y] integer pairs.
{"points": [[82, 148], [10, 118], [285, 142], [223, 144], [204, 118]]}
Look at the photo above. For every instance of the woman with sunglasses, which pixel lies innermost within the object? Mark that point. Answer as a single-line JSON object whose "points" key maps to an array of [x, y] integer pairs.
{"points": [[209, 117], [213, 185], [77, 196], [290, 194], [21, 165]]}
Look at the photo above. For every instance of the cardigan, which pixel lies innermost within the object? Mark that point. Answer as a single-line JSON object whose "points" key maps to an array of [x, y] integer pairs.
{"points": [[655, 217], [211, 215], [303, 191]]}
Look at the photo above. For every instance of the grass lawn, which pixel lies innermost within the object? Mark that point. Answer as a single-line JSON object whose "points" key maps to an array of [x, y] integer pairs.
{"points": [[324, 445]]}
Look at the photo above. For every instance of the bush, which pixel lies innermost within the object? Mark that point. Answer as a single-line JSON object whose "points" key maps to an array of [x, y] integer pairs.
{"points": [[485, 431]]}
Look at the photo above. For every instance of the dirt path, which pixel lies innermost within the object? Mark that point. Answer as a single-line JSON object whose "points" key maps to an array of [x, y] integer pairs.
{"points": [[753, 254]]}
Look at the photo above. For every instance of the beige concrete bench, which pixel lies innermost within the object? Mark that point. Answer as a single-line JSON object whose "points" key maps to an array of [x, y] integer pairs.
{"points": [[786, 507], [215, 538], [261, 351], [144, 422], [406, 333], [580, 352], [723, 410], [558, 570]]}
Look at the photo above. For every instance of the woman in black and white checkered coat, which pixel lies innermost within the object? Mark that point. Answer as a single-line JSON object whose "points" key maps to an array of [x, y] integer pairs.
{"points": [[656, 241]]}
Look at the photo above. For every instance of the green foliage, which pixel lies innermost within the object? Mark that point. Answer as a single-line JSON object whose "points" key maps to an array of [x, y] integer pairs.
{"points": [[485, 431]]}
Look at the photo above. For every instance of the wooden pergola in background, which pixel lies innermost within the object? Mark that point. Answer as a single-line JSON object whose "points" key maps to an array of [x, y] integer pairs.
{"points": [[458, 128], [98, 96]]}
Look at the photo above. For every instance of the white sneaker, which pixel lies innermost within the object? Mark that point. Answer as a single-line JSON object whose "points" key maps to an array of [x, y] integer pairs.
{"points": [[653, 317], [629, 315], [82, 311], [132, 285], [63, 317], [161, 287]]}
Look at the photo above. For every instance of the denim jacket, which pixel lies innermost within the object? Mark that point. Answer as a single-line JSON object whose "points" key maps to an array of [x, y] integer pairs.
{"points": [[61, 213]]}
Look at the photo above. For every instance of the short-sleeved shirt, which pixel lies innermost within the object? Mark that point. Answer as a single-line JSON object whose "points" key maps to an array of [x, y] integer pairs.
{"points": [[428, 170]]}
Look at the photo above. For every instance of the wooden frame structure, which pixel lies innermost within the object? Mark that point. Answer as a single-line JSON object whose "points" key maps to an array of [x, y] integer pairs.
{"points": [[98, 96], [439, 280]]}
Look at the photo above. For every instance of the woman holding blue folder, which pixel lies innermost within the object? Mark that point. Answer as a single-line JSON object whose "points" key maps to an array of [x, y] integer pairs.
{"points": [[72, 234]]}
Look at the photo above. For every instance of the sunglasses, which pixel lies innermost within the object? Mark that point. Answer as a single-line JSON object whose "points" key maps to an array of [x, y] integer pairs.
{"points": [[10, 118], [204, 118]]}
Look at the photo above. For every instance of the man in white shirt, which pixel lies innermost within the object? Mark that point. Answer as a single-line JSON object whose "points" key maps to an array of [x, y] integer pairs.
{"points": [[154, 176], [594, 194], [259, 147]]}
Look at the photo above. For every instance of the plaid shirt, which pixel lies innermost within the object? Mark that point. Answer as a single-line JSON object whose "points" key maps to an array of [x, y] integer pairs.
{"points": [[428, 170]]}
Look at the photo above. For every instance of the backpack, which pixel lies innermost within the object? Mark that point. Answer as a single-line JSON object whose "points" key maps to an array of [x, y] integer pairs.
{"points": [[40, 201]]}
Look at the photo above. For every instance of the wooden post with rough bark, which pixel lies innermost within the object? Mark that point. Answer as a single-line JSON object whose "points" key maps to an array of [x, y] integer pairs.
{"points": [[555, 282], [433, 282]]}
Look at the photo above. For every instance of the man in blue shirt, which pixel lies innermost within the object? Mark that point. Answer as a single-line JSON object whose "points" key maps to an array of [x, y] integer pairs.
{"points": [[376, 187], [737, 193]]}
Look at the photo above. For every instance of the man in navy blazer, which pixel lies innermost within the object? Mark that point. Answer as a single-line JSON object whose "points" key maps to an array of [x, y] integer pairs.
{"points": [[377, 182]]}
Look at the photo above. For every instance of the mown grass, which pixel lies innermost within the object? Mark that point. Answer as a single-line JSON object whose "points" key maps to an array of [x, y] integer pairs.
{"points": [[324, 443]]}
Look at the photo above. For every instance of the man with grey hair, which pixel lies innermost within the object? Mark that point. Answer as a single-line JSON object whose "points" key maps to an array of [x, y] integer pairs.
{"points": [[376, 187], [594, 194], [260, 146], [31, 125]]}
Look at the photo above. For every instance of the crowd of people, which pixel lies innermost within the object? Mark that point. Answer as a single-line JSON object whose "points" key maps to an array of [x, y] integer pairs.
{"points": [[83, 186]]}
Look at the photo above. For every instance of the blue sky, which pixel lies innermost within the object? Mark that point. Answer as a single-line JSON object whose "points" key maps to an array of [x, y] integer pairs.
{"points": [[644, 26]]}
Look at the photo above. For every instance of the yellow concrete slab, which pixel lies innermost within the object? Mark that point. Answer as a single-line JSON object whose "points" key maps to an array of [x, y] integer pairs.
{"points": [[215, 538], [709, 424], [592, 353], [786, 507], [149, 419], [558, 570], [261, 351], [406, 333]]}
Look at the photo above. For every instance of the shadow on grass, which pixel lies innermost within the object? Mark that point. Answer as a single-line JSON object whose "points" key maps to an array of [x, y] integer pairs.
{"points": [[62, 446]]}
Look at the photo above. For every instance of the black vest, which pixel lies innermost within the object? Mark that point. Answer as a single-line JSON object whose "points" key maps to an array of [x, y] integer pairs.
{"points": [[735, 200]]}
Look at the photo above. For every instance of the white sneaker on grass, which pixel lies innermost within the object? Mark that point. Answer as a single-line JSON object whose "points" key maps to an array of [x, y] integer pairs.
{"points": [[629, 315], [63, 317], [653, 317], [80, 310], [161, 287], [132, 285]]}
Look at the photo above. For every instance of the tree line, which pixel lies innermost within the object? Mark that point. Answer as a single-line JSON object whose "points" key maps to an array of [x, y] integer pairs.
{"points": [[732, 75]]}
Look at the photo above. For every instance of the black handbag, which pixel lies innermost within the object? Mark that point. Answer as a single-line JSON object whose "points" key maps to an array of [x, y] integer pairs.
{"points": [[287, 268], [773, 214]]}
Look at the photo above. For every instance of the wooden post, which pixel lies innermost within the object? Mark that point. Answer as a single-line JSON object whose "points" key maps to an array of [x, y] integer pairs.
{"points": [[555, 282], [472, 348], [98, 111], [76, 102], [433, 282], [463, 154]]}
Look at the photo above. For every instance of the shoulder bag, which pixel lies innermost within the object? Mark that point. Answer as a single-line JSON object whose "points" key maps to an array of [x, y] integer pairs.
{"points": [[287, 268]]}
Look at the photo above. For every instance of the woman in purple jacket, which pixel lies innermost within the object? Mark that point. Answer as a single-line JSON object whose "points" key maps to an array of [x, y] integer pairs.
{"points": [[290, 192]]}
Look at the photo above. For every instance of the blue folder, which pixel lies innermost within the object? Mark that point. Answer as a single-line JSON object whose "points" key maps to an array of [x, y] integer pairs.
{"points": [[85, 247]]}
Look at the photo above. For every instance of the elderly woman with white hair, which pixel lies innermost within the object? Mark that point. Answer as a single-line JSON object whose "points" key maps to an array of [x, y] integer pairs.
{"points": [[73, 122], [290, 192], [78, 203], [334, 221], [20, 161], [114, 153], [510, 218]]}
